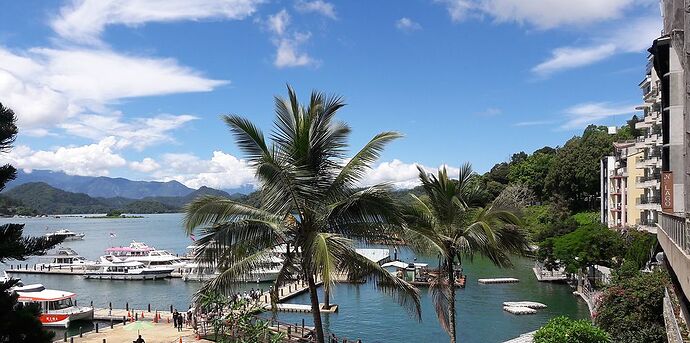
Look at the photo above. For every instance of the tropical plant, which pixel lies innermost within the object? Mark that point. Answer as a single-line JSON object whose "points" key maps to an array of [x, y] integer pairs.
{"points": [[310, 201], [18, 323], [445, 221], [565, 330]]}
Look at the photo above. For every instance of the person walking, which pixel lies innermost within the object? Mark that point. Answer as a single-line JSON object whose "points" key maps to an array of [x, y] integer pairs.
{"points": [[140, 340], [175, 316], [180, 321]]}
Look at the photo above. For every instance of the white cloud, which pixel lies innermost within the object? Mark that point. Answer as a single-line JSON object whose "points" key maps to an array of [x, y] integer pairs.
{"points": [[633, 36], [288, 53], [581, 115], [533, 123], [222, 171], [543, 14], [47, 86], [279, 22], [138, 132], [402, 175], [146, 165], [569, 57], [83, 21], [93, 160], [407, 25], [318, 6]]}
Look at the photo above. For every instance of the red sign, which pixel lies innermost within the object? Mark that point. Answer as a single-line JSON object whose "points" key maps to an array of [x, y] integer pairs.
{"points": [[667, 191]]}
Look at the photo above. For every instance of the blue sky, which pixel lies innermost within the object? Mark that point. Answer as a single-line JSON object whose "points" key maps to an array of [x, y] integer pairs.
{"points": [[134, 88]]}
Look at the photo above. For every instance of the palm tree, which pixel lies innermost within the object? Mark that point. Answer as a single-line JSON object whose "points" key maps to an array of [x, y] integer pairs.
{"points": [[310, 200], [447, 222]]}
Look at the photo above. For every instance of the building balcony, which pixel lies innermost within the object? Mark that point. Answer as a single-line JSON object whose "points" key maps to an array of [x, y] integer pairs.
{"points": [[643, 125]]}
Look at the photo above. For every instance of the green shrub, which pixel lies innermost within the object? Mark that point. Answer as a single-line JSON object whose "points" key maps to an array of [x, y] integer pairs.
{"points": [[631, 309], [565, 330]]}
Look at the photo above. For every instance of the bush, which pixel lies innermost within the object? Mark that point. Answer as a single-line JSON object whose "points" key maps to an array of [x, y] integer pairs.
{"points": [[565, 330], [631, 309]]}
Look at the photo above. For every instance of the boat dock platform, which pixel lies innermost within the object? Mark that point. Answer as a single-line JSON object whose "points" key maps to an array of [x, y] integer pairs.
{"points": [[545, 275], [498, 280], [38, 269]]}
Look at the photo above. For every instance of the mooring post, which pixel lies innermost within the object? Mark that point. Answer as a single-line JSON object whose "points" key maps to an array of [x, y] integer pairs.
{"points": [[103, 340], [71, 340], [289, 331], [171, 310], [136, 316], [149, 307], [80, 333], [127, 306], [96, 327], [110, 306], [91, 303], [111, 322], [124, 320], [65, 340], [302, 326]]}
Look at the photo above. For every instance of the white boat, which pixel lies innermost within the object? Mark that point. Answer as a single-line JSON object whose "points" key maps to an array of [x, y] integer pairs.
{"points": [[66, 258], [58, 308], [149, 256], [194, 271], [67, 234], [114, 268]]}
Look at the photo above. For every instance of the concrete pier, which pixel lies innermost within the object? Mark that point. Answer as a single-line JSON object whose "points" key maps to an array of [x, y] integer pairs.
{"points": [[498, 280]]}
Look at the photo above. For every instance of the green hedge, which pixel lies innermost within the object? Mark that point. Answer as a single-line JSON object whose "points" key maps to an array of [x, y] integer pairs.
{"points": [[565, 330]]}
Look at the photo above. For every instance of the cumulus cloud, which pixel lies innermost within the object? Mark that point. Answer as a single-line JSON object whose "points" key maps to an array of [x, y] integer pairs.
{"points": [[92, 160], [543, 14], [581, 115], [288, 42], [47, 86], [324, 8], [633, 36], [146, 165], [138, 132], [222, 170], [407, 25], [402, 175], [288, 53], [278, 22], [83, 21]]}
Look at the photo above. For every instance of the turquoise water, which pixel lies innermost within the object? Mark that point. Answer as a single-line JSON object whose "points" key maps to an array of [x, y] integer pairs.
{"points": [[364, 313]]}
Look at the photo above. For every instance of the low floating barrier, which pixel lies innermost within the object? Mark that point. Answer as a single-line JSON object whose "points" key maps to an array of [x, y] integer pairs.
{"points": [[519, 310], [498, 280], [529, 304]]}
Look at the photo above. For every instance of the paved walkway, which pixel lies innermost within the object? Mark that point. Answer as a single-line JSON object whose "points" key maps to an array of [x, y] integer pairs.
{"points": [[150, 332]]}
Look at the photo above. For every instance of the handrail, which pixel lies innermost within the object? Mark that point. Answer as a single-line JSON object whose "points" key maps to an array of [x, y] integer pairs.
{"points": [[676, 229], [674, 329]]}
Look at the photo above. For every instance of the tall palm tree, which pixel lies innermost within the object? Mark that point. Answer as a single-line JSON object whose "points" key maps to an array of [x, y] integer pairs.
{"points": [[311, 201], [446, 221]]}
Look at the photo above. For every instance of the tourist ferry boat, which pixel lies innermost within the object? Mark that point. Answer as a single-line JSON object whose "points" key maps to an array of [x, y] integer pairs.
{"points": [[195, 271], [149, 256], [114, 268], [58, 308], [66, 258], [67, 234]]}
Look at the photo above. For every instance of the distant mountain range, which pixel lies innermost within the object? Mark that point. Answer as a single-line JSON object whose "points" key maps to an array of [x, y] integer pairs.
{"points": [[108, 187], [42, 198]]}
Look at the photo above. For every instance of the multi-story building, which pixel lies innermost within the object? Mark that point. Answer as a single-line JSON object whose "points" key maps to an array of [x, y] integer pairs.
{"points": [[649, 146], [620, 194]]}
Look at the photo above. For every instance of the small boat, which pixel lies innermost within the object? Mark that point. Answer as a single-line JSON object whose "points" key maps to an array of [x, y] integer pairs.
{"points": [[67, 234], [114, 268], [58, 308], [419, 274], [194, 271], [66, 258]]}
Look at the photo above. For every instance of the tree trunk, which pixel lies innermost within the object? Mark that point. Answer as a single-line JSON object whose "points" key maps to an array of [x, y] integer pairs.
{"points": [[451, 305], [315, 310], [326, 298]]}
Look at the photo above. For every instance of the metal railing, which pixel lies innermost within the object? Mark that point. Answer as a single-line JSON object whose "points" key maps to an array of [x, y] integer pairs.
{"points": [[676, 229], [672, 328], [649, 200]]}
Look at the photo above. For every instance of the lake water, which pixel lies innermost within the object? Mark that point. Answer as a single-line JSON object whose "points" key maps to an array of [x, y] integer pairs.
{"points": [[363, 313]]}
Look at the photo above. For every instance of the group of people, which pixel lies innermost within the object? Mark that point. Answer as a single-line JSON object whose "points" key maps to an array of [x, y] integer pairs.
{"points": [[179, 319], [248, 296]]}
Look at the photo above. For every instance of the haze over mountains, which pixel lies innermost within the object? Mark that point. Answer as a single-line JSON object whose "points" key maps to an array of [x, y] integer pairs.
{"points": [[48, 192], [108, 187]]}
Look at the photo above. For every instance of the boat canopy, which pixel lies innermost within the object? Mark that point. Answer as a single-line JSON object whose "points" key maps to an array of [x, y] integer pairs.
{"points": [[37, 292]]}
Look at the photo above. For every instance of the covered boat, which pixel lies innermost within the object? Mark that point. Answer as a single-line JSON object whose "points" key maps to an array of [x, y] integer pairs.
{"points": [[67, 234], [58, 308]]}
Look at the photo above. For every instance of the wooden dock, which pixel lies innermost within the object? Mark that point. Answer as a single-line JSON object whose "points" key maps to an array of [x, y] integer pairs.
{"points": [[38, 269]]}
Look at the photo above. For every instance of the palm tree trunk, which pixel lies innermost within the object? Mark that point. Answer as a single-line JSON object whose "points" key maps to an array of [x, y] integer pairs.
{"points": [[451, 305], [326, 299], [315, 309]]}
